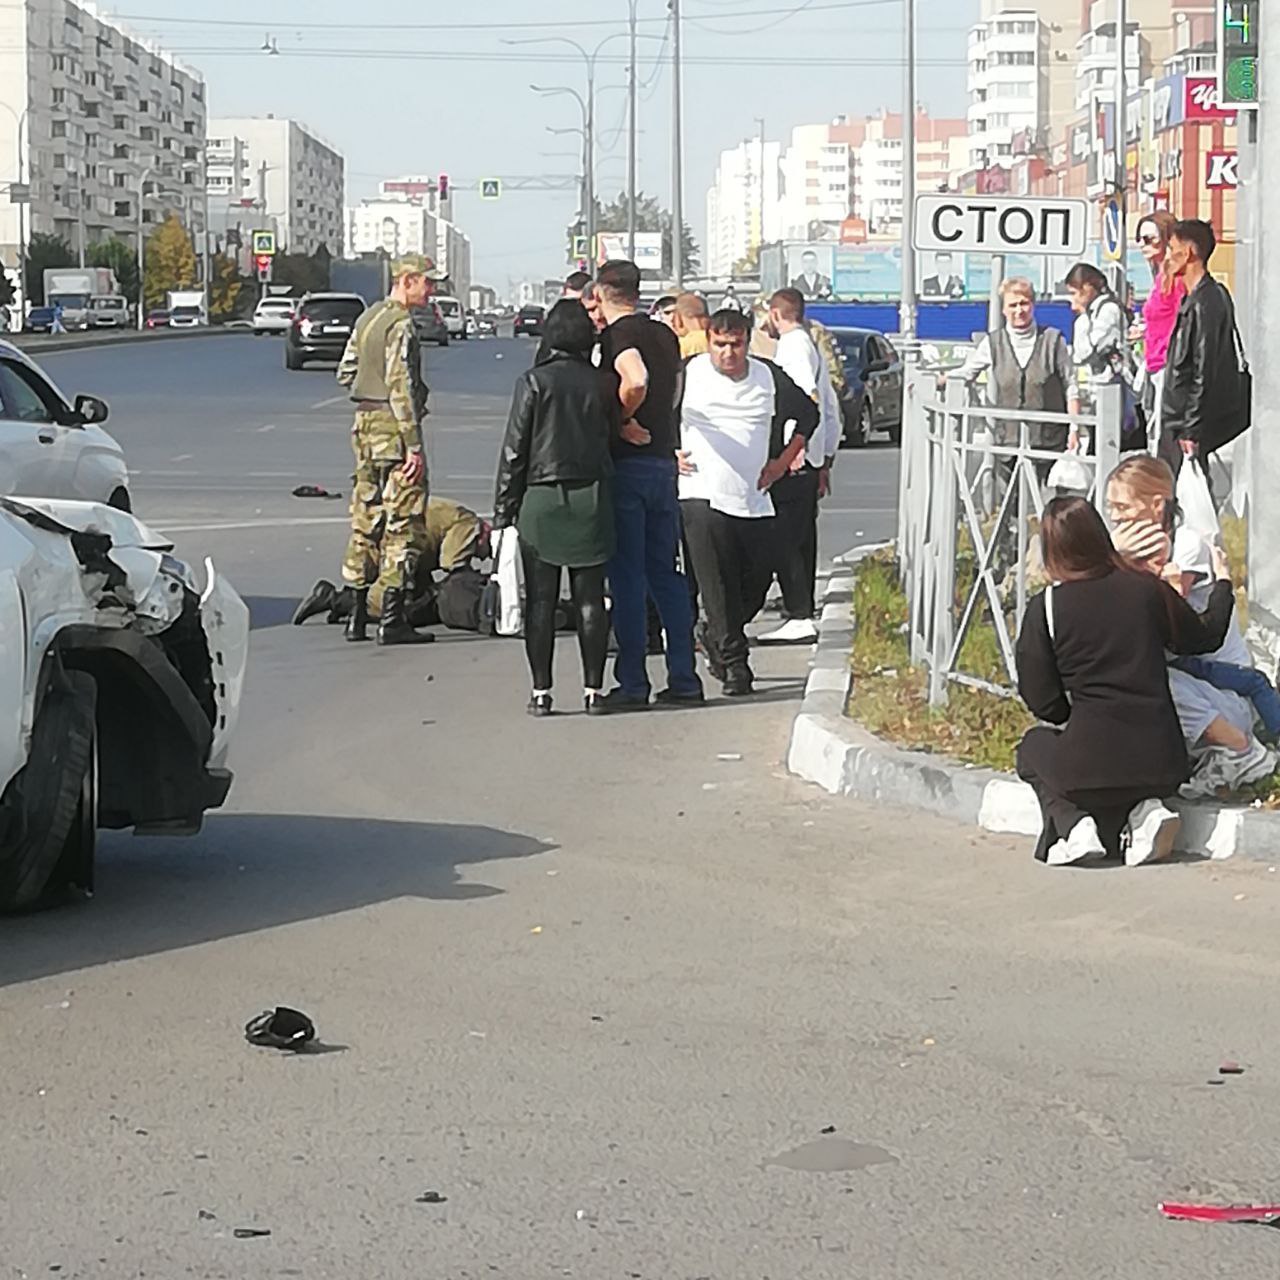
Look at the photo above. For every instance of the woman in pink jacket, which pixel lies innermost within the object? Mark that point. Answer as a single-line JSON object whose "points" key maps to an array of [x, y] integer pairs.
{"points": [[1159, 312]]}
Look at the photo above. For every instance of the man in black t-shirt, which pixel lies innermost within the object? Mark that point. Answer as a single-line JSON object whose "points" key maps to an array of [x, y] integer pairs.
{"points": [[644, 359]]}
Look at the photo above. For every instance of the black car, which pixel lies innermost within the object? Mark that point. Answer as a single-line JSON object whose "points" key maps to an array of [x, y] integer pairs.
{"points": [[321, 325], [529, 321], [873, 397], [429, 324], [39, 320]]}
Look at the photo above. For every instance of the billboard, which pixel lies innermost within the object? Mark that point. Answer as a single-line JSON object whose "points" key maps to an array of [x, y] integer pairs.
{"points": [[617, 244]]}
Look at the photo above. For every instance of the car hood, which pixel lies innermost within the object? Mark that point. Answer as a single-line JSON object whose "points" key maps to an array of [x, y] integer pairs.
{"points": [[123, 529]]}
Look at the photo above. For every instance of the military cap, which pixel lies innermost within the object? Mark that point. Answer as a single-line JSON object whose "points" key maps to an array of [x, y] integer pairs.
{"points": [[412, 264]]}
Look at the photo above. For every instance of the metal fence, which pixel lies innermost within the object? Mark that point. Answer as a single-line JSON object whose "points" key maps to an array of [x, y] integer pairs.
{"points": [[957, 485]]}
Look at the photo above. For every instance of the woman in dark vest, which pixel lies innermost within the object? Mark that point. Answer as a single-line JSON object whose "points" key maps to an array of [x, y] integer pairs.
{"points": [[1027, 367]]}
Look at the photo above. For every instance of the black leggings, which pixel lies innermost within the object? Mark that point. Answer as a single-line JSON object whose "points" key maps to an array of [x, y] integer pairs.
{"points": [[542, 595]]}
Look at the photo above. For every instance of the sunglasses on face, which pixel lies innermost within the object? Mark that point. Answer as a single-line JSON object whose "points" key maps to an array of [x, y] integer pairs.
{"points": [[1149, 240]]}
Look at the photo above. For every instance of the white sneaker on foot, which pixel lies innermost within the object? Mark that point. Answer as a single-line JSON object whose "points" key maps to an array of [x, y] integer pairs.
{"points": [[1083, 842], [793, 631], [1210, 774], [1153, 829], [1250, 766]]}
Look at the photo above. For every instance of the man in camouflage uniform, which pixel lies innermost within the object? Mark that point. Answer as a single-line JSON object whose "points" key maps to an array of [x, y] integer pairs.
{"points": [[382, 366], [830, 352]]}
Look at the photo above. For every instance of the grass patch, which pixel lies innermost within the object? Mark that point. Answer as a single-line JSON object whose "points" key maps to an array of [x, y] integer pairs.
{"points": [[891, 698]]}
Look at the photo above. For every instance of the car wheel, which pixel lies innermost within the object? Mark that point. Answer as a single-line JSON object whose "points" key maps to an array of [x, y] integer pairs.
{"points": [[120, 500], [866, 416], [258, 333], [55, 796], [293, 359], [895, 432], [444, 342]]}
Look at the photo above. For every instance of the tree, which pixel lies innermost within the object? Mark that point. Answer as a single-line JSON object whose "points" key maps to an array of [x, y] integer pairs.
{"points": [[650, 216], [171, 261], [225, 287], [121, 259], [750, 265], [44, 251]]}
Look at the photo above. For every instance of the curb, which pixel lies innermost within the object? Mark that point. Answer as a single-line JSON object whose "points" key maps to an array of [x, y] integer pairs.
{"points": [[836, 753], [41, 344]]}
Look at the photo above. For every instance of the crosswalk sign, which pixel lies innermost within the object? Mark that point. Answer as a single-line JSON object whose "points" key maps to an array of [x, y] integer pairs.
{"points": [[579, 246], [491, 189]]}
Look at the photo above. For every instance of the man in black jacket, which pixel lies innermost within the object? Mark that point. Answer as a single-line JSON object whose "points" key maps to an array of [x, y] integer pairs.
{"points": [[1206, 401]]}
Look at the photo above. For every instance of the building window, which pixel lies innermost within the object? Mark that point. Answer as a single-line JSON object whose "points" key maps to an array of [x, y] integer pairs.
{"points": [[91, 140], [59, 160], [119, 92], [188, 126], [58, 129], [91, 110], [119, 122], [119, 180], [59, 62], [59, 97], [123, 209], [144, 105]]}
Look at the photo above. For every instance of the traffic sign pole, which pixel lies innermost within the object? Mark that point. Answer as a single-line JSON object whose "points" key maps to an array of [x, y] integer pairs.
{"points": [[1122, 144]]}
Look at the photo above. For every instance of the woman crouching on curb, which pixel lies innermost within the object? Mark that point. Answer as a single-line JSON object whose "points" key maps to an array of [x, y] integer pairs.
{"points": [[1091, 659]]}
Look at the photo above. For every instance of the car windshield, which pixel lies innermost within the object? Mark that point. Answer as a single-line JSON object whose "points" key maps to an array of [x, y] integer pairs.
{"points": [[276, 304], [186, 311], [447, 306], [325, 309], [853, 346], [108, 304], [76, 301]]}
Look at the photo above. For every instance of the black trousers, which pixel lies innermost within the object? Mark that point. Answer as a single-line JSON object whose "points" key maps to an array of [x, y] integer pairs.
{"points": [[795, 500], [731, 560], [1039, 759], [542, 595]]}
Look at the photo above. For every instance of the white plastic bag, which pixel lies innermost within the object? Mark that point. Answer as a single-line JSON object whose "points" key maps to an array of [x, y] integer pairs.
{"points": [[508, 573], [1069, 473], [1195, 501]]}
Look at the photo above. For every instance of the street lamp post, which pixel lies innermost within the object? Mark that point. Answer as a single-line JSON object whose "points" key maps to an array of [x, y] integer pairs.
{"points": [[588, 150], [677, 153], [142, 249], [907, 308], [631, 137], [19, 122]]}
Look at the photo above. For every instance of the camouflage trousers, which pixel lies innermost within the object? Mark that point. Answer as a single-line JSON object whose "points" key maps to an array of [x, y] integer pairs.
{"points": [[388, 517]]}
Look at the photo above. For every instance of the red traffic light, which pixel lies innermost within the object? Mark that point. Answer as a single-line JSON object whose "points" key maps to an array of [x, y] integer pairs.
{"points": [[263, 262], [444, 186]]}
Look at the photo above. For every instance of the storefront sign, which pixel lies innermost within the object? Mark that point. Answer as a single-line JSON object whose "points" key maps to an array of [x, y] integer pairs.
{"points": [[1200, 99], [1221, 170], [1171, 165], [1168, 103]]}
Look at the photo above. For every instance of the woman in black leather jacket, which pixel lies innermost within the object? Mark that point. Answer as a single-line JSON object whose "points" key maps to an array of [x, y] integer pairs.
{"points": [[555, 487]]}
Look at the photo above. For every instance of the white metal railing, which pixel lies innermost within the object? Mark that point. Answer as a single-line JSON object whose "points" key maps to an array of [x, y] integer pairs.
{"points": [[955, 477]]}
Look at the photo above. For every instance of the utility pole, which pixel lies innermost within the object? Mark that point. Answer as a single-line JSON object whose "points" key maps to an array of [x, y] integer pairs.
{"points": [[677, 153], [591, 166], [631, 138], [760, 224], [907, 308], [1121, 144]]}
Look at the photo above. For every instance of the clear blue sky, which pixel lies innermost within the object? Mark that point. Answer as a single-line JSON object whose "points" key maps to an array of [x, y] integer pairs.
{"points": [[441, 92]]}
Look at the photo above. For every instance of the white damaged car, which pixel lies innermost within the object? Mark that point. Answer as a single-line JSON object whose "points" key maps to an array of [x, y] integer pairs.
{"points": [[120, 683]]}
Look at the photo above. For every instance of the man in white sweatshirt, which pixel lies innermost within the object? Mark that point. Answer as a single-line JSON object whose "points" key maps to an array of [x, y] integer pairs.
{"points": [[744, 423], [797, 495]]}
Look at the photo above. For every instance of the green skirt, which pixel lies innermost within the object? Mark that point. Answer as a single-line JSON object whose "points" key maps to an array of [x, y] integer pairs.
{"points": [[570, 523]]}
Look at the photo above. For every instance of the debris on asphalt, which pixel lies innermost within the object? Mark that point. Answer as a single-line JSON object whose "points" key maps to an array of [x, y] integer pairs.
{"points": [[1239, 897], [1230, 1068], [595, 1017], [314, 491], [1215, 1082], [729, 756], [709, 786], [430, 1197], [281, 1028], [1264, 1215], [205, 1216], [537, 928], [829, 1129], [250, 1233]]}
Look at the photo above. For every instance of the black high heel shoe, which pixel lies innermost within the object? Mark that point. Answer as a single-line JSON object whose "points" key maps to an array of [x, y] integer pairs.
{"points": [[595, 704], [539, 705]]}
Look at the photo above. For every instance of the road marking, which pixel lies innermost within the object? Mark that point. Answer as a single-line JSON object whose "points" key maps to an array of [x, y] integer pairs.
{"points": [[222, 527], [324, 404], [269, 426], [183, 457]]}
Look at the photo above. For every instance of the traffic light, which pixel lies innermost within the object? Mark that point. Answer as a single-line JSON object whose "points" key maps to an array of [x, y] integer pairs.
{"points": [[263, 263], [444, 186], [1238, 42]]}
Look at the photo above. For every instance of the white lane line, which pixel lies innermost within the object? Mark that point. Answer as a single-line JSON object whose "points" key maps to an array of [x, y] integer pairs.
{"points": [[226, 526], [324, 404], [183, 457], [268, 426]]}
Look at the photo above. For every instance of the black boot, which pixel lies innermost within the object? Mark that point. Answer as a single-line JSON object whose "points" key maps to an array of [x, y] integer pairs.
{"points": [[344, 602], [739, 681], [321, 599], [358, 622], [393, 626]]}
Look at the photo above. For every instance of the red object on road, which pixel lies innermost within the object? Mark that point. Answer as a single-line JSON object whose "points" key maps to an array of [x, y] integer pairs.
{"points": [[1266, 1214]]}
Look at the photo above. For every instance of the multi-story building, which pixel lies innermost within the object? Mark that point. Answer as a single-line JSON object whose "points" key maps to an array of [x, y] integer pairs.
{"points": [[87, 112], [1010, 74], [941, 159], [394, 227], [453, 256], [296, 178], [817, 175], [743, 209]]}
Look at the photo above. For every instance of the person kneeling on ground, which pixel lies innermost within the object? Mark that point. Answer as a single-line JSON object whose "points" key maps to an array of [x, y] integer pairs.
{"points": [[1091, 659], [454, 537], [735, 414]]}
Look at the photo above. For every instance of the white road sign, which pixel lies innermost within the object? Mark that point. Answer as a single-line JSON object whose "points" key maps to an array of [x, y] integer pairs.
{"points": [[1002, 224]]}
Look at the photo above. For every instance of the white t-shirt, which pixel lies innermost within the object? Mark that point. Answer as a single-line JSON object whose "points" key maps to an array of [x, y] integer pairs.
{"points": [[798, 356], [725, 428]]}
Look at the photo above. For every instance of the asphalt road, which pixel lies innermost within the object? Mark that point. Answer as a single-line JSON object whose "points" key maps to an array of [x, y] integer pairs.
{"points": [[602, 990]]}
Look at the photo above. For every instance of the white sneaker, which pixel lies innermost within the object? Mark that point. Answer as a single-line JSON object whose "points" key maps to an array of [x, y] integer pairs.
{"points": [[1251, 766], [1083, 842], [793, 631], [1153, 829], [1210, 775]]}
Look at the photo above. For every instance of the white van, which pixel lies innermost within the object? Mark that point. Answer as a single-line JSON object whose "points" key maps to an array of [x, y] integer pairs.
{"points": [[455, 319]]}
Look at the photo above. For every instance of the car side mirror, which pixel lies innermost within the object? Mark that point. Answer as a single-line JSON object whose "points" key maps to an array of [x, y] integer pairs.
{"points": [[877, 366], [90, 410]]}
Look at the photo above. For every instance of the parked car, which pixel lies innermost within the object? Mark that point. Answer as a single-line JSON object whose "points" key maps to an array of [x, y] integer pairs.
{"points": [[109, 312], [186, 317], [473, 326], [158, 318], [486, 325], [39, 320], [50, 448], [429, 324], [529, 321], [273, 315], [873, 399], [454, 318], [322, 323], [120, 684]]}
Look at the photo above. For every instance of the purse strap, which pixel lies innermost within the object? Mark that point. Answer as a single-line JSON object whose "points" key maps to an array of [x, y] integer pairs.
{"points": [[1048, 611]]}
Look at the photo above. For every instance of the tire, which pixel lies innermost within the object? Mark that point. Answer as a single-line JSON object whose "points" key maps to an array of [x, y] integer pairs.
{"points": [[120, 500], [866, 416], [258, 333], [895, 432], [54, 799], [444, 342], [293, 359]]}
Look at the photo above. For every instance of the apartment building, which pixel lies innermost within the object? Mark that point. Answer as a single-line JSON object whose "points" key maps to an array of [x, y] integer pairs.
{"points": [[1011, 71], [87, 110], [394, 227], [817, 176], [297, 179], [941, 159], [743, 207]]}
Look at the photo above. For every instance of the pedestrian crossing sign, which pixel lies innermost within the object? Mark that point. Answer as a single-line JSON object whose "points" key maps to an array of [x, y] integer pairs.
{"points": [[491, 189], [264, 243], [580, 247]]}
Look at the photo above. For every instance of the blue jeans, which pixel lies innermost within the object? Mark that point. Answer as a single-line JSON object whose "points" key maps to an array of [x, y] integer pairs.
{"points": [[647, 517], [1245, 681]]}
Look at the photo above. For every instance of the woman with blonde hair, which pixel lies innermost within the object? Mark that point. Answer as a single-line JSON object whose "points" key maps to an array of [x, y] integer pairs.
{"points": [[1217, 724], [1159, 312]]}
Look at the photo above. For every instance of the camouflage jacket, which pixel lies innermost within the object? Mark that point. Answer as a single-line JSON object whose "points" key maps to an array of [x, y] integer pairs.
{"points": [[826, 344]]}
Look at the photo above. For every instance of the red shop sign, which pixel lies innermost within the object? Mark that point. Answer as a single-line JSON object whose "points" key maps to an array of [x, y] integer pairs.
{"points": [[1201, 99]]}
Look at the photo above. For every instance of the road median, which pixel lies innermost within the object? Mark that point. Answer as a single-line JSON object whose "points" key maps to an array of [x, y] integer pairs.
{"points": [[45, 342]]}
